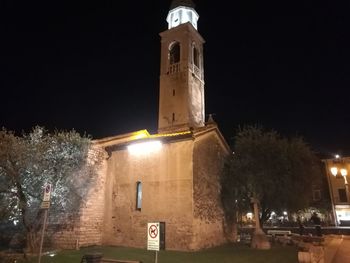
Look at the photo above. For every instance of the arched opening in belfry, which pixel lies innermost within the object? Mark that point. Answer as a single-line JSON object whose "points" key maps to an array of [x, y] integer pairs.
{"points": [[174, 53], [195, 56]]}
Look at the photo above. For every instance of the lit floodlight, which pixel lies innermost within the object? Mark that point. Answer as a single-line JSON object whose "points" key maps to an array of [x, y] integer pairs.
{"points": [[343, 172], [144, 147], [337, 156], [285, 213], [250, 215], [334, 171]]}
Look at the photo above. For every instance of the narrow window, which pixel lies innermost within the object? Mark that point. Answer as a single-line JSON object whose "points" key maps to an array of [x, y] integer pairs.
{"points": [[195, 56], [173, 117], [316, 192], [316, 195], [138, 195], [189, 14], [174, 53], [342, 196], [173, 92]]}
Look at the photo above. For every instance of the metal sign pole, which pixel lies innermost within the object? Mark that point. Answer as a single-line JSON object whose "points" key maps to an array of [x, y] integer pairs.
{"points": [[156, 257], [42, 235], [44, 205]]}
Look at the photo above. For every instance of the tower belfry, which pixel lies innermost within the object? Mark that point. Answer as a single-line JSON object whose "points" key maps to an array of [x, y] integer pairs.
{"points": [[182, 11], [181, 95]]}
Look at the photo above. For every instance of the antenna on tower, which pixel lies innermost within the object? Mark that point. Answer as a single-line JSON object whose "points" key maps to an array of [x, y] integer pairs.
{"points": [[210, 118]]}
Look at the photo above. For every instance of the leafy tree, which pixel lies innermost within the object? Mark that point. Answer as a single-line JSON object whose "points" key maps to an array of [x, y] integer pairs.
{"points": [[275, 170], [234, 198], [29, 161]]}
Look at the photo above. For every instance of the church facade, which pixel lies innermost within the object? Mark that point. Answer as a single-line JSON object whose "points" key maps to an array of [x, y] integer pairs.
{"points": [[172, 176]]}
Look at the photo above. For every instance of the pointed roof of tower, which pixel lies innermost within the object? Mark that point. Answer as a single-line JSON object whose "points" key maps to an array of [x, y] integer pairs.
{"points": [[177, 3]]}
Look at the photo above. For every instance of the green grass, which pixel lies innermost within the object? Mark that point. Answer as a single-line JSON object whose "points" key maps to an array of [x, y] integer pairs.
{"points": [[223, 254]]}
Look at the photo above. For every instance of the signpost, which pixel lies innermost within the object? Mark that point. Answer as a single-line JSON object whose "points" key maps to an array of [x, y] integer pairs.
{"points": [[153, 237], [47, 193], [156, 237], [45, 204]]}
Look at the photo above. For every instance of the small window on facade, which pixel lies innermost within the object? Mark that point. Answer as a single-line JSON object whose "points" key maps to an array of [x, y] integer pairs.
{"points": [[174, 53], [138, 195], [173, 117], [173, 92], [195, 56], [342, 195], [316, 194]]}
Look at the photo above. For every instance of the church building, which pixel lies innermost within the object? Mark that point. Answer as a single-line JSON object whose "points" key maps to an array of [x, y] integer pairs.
{"points": [[172, 176]]}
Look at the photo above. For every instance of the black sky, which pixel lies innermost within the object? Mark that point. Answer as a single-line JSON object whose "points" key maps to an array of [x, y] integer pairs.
{"points": [[94, 66]]}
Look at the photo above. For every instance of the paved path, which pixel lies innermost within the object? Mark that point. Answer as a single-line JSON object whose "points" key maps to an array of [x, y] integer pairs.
{"points": [[343, 252], [331, 248], [337, 249]]}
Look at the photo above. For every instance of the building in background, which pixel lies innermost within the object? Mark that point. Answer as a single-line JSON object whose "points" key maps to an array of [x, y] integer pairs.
{"points": [[337, 170]]}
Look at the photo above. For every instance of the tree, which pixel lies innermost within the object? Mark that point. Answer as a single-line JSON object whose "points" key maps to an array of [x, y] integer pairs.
{"points": [[29, 161], [234, 197], [277, 171]]}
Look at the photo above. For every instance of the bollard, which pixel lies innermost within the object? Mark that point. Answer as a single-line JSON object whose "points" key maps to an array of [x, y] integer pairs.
{"points": [[92, 258]]}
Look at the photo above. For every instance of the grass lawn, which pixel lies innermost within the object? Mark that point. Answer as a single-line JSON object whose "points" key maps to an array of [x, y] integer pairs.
{"points": [[223, 254]]}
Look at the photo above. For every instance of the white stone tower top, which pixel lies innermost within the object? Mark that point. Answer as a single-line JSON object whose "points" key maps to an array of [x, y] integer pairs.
{"points": [[181, 12]]}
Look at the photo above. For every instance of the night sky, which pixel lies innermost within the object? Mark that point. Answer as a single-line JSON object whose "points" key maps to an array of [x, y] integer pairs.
{"points": [[94, 67]]}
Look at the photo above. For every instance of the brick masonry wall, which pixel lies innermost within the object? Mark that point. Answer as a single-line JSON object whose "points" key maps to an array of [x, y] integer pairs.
{"points": [[208, 162], [166, 178], [181, 187], [92, 212], [83, 228]]}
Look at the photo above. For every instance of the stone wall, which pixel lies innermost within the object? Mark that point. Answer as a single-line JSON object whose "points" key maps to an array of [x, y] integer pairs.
{"points": [[208, 161], [62, 231], [83, 227], [92, 212], [180, 186], [166, 178]]}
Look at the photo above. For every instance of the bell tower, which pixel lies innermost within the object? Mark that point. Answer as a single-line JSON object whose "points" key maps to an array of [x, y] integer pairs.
{"points": [[181, 92]]}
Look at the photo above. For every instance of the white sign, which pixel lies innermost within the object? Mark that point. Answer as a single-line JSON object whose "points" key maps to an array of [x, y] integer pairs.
{"points": [[45, 205], [153, 236], [47, 193]]}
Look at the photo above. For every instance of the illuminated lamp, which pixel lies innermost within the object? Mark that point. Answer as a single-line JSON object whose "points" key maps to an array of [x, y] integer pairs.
{"points": [[146, 147], [334, 171], [249, 215], [343, 172]]}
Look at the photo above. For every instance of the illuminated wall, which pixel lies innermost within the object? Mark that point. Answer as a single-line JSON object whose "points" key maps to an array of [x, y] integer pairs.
{"points": [[180, 186], [166, 177]]}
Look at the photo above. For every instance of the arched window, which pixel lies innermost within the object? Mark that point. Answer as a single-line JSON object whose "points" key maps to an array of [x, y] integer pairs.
{"points": [[195, 56], [174, 53], [138, 195]]}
